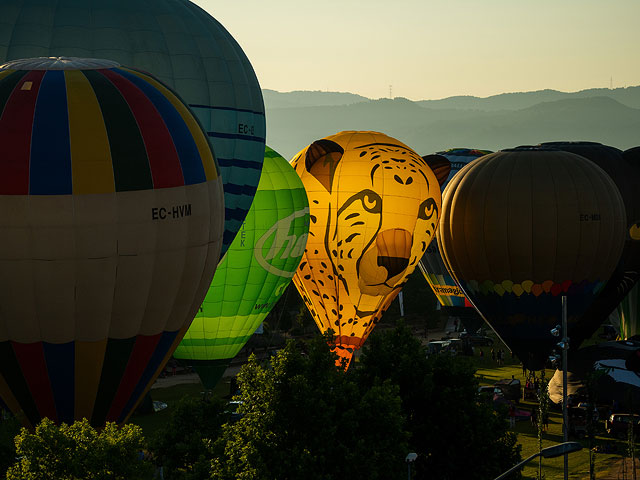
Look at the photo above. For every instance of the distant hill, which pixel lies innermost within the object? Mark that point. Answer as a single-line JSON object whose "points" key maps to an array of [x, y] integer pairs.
{"points": [[602, 119], [274, 99], [629, 96]]}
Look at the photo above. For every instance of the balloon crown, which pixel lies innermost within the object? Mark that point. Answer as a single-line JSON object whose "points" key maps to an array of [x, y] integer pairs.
{"points": [[58, 63]]}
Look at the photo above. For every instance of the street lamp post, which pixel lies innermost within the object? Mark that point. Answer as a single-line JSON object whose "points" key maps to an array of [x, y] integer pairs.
{"points": [[411, 457], [550, 452], [564, 346]]}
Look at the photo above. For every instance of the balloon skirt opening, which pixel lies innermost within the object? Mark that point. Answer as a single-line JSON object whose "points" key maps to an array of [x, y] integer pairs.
{"points": [[211, 371]]}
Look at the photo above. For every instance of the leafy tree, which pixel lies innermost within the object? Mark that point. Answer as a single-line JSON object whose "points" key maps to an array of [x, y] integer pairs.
{"points": [[304, 418], [454, 435], [9, 428], [78, 451], [182, 445]]}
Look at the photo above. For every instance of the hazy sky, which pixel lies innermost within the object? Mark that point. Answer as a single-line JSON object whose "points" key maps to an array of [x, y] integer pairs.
{"points": [[431, 49]]}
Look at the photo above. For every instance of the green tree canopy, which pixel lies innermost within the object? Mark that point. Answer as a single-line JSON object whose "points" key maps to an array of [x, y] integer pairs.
{"points": [[182, 445], [303, 418], [79, 452], [454, 435]]}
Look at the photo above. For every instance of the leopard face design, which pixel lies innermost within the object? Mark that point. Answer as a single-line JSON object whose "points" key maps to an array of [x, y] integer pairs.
{"points": [[374, 208]]}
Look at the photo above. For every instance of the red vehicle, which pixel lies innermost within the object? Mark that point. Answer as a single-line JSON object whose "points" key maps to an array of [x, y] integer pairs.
{"points": [[618, 424]]}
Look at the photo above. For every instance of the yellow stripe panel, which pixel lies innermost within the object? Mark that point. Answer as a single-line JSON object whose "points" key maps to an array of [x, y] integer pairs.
{"points": [[12, 403], [92, 167], [89, 359], [194, 127], [5, 73]]}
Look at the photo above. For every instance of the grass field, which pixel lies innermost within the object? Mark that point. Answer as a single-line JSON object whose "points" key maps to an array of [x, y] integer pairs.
{"points": [[606, 465], [488, 372]]}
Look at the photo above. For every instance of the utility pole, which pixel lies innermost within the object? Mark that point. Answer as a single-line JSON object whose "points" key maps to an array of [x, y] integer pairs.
{"points": [[391, 92]]}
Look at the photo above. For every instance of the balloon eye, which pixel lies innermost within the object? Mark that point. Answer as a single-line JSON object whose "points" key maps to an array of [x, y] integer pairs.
{"points": [[427, 209], [371, 202]]}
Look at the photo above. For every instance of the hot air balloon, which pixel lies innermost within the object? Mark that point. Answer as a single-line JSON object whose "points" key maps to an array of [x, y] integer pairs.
{"points": [[448, 293], [374, 206], [111, 219], [521, 228], [627, 315], [626, 175], [180, 44], [253, 274]]}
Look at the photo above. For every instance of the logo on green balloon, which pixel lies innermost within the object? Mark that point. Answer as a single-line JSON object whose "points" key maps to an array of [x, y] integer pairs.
{"points": [[285, 244]]}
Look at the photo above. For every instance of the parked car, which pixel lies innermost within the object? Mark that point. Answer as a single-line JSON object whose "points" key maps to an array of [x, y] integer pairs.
{"points": [[618, 424], [476, 340], [511, 389]]}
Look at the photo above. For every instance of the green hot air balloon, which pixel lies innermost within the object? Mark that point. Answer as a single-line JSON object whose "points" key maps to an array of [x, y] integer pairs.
{"points": [[254, 272]]}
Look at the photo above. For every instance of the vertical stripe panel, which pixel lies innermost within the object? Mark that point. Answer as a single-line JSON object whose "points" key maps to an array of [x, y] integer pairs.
{"points": [[145, 380], [190, 161], [163, 362], [8, 84], [16, 124], [131, 169], [6, 395], [138, 360], [16, 382], [60, 359], [197, 132], [116, 359], [50, 167], [34, 369], [90, 152], [88, 367], [162, 154]]}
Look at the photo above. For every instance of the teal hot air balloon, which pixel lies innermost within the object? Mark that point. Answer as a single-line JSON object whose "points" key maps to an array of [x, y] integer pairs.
{"points": [[254, 272], [180, 44]]}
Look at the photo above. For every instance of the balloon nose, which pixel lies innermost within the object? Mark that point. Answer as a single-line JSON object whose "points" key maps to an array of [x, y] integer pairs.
{"points": [[394, 250]]}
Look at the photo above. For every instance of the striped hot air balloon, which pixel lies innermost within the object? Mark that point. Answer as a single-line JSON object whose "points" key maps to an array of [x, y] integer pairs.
{"points": [[111, 219]]}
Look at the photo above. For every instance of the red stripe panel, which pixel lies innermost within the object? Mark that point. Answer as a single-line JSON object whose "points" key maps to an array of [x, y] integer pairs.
{"points": [[15, 135], [163, 156], [138, 361], [34, 369]]}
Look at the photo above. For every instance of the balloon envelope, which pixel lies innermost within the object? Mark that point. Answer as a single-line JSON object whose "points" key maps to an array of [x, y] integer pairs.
{"points": [[179, 43], [253, 274], [625, 173], [521, 228], [374, 207], [111, 217], [448, 293]]}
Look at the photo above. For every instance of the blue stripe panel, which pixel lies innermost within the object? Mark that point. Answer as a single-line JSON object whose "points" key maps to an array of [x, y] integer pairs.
{"points": [[190, 161], [50, 165], [236, 136], [160, 352], [232, 109], [235, 189], [237, 214], [60, 358], [234, 162]]}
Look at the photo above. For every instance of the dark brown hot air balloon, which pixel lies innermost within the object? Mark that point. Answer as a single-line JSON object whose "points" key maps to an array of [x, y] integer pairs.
{"points": [[519, 229], [626, 175]]}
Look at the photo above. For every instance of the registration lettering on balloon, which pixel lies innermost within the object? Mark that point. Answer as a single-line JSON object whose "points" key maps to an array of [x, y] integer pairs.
{"points": [[374, 206]]}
